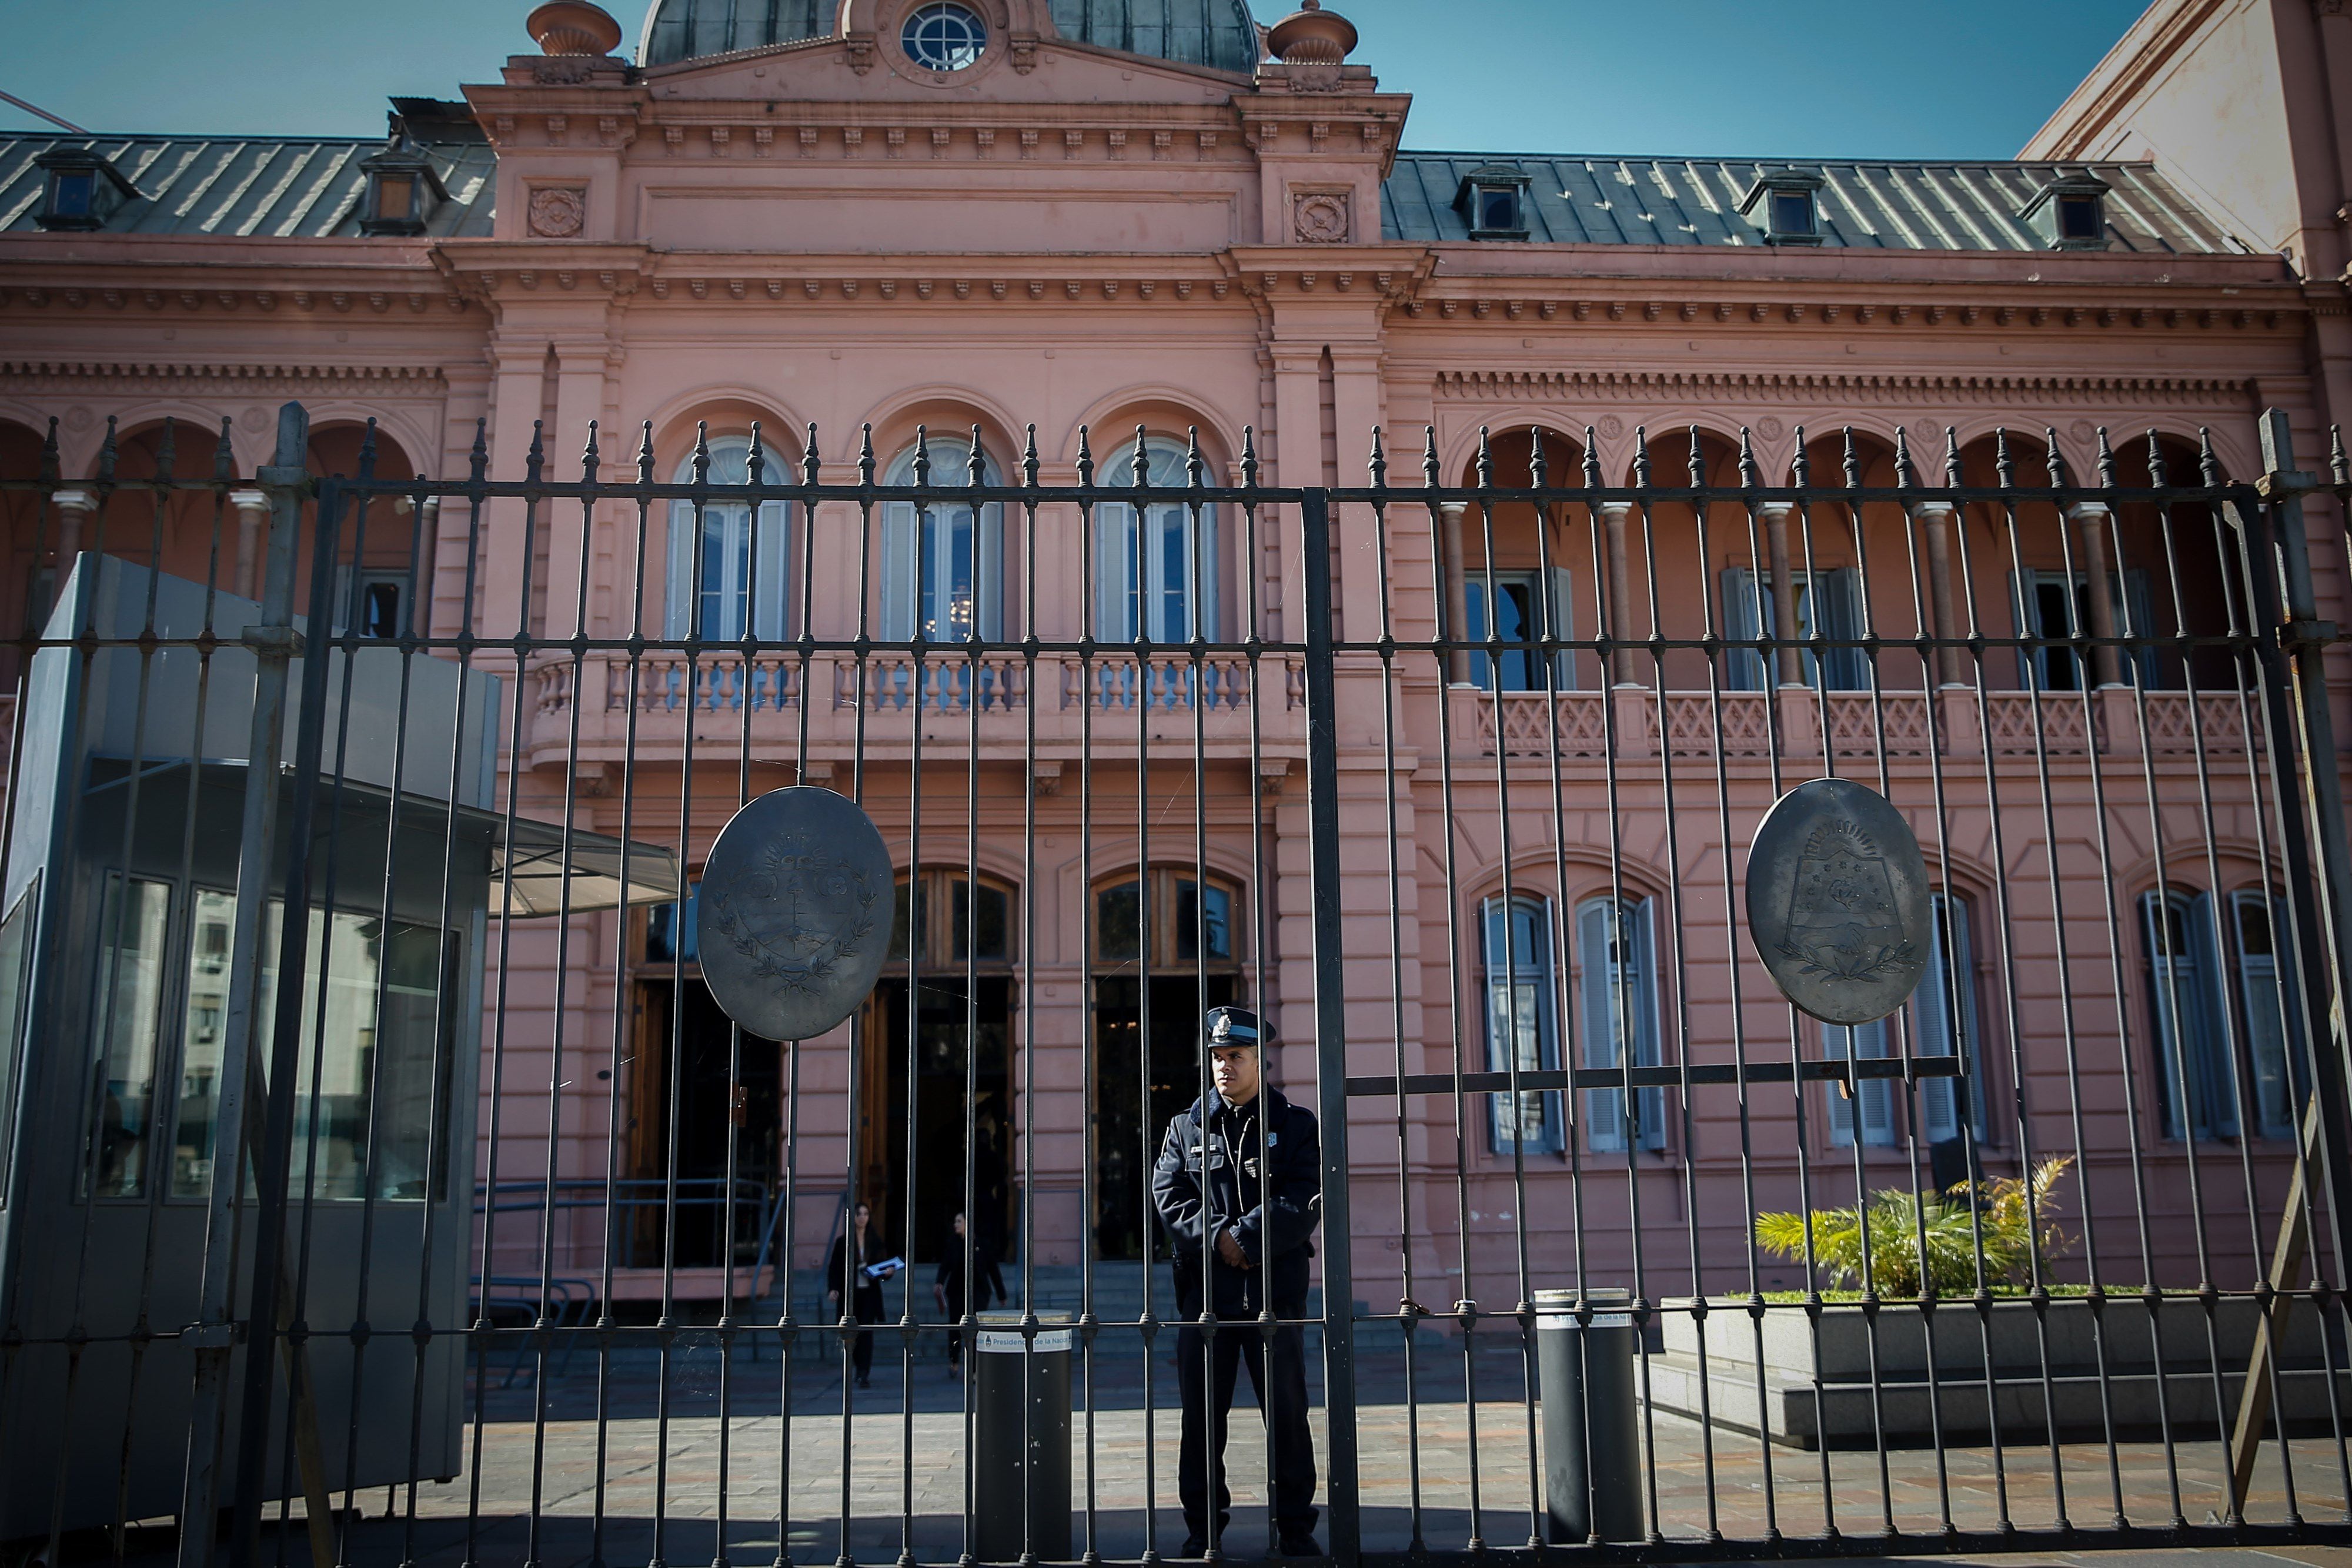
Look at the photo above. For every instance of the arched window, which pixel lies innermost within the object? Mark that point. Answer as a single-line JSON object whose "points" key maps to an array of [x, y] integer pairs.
{"points": [[945, 580], [1516, 973], [953, 922], [735, 565], [2184, 1002], [1946, 1009], [1183, 927], [1617, 970], [1152, 579]]}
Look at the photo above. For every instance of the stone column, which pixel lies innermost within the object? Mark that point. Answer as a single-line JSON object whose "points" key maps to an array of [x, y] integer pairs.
{"points": [[1935, 521], [252, 512], [1790, 668], [2107, 663], [75, 508], [1458, 590], [1624, 665]]}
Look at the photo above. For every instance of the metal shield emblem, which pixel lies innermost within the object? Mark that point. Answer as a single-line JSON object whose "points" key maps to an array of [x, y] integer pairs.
{"points": [[794, 917], [1838, 901]]}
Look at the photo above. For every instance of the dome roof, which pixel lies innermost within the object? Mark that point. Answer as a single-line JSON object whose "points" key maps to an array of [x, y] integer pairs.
{"points": [[1216, 32], [684, 29]]}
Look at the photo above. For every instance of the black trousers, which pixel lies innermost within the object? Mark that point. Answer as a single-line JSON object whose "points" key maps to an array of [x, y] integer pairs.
{"points": [[866, 1307], [1278, 1372]]}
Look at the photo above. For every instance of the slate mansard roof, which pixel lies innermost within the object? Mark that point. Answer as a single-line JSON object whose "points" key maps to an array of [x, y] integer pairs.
{"points": [[305, 187], [1862, 205], [310, 188]]}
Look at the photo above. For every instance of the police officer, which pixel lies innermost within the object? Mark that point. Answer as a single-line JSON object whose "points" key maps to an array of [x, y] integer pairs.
{"points": [[1238, 1186]]}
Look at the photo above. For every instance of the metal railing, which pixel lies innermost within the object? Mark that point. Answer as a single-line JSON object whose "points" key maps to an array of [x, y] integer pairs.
{"points": [[1451, 781]]}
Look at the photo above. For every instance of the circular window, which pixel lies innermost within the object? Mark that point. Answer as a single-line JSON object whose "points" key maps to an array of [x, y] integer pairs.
{"points": [[943, 37]]}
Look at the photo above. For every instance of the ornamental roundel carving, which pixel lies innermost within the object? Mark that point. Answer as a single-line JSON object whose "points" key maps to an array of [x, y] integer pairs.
{"points": [[557, 212], [1319, 217]]}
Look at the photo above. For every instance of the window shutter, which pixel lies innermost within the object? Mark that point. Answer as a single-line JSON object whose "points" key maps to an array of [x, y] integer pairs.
{"points": [[1604, 1108], [2028, 623], [2265, 1004], [770, 572], [1563, 626], [2135, 617], [1650, 1104], [1876, 1097], [988, 581], [897, 571], [2170, 995], [1837, 600], [678, 598], [1938, 1112], [1212, 576], [1744, 668], [2210, 1034], [1839, 1109], [1114, 572]]}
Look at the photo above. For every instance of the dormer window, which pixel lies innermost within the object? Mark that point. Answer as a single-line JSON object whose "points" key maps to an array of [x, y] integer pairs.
{"points": [[1787, 202], [402, 191], [84, 189], [2069, 213], [1493, 200]]}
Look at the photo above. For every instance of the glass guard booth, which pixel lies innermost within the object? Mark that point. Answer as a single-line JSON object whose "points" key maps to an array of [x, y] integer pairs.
{"points": [[115, 920]]}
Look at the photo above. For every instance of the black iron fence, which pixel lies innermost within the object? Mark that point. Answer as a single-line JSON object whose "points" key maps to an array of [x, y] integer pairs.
{"points": [[1449, 776]]}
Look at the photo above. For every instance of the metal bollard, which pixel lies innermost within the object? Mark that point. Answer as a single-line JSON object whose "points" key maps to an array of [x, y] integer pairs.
{"points": [[1013, 1434], [1592, 1450]]}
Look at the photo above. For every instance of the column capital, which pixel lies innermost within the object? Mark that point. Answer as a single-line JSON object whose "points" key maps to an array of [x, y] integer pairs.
{"points": [[2088, 511], [1936, 508], [74, 501], [1451, 510], [249, 501], [1774, 510], [1615, 510]]}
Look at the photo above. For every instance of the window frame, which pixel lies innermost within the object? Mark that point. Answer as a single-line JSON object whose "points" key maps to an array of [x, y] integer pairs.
{"points": [[972, 51], [1137, 608], [2130, 602], [761, 548], [1604, 1028], [936, 906], [2259, 994], [1549, 591], [2205, 1108], [1162, 925], [1542, 989], [1748, 615], [1951, 974], [906, 557]]}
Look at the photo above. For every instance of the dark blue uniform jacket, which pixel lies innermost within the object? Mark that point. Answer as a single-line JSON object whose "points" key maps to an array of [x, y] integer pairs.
{"points": [[1215, 1164]]}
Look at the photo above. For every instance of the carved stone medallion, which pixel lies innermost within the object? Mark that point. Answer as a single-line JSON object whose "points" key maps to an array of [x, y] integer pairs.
{"points": [[794, 917], [1321, 217], [1838, 901], [557, 212]]}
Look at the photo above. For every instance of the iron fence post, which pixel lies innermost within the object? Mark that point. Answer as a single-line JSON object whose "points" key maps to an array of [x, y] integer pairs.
{"points": [[1330, 1029], [212, 1337]]}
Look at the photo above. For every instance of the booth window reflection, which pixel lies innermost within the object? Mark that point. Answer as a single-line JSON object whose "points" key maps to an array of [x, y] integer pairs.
{"points": [[380, 1082]]}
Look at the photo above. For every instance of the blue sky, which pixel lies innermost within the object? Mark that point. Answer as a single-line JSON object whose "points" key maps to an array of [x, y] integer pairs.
{"points": [[1899, 79]]}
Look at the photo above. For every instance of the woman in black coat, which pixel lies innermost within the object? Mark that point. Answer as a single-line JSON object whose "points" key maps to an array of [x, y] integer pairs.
{"points": [[845, 1275]]}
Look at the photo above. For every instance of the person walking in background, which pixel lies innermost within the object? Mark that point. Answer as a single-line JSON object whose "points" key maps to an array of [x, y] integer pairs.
{"points": [[1239, 1187], [855, 1276], [948, 1291]]}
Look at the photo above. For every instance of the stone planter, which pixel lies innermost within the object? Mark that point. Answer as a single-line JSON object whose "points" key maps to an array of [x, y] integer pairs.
{"points": [[1814, 1391]]}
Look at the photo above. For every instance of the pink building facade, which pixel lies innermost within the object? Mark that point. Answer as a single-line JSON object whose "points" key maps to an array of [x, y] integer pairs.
{"points": [[1037, 224]]}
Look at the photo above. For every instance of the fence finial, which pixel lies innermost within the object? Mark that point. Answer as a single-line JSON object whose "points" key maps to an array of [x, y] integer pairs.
{"points": [[223, 459], [646, 454], [167, 451], [2338, 468], [1800, 465], [2004, 466], [1536, 472], [1907, 474], [1850, 459], [1951, 458], [1086, 458], [810, 461], [1029, 464], [922, 456], [866, 454], [590, 460], [50, 453], [2156, 478], [755, 461], [1592, 461], [2056, 461], [107, 454], [1640, 458], [975, 466], [1378, 465], [1429, 468], [1138, 464], [1751, 477], [1249, 456], [2106, 460], [1695, 464], [1196, 471], [538, 453], [367, 450], [1485, 469], [477, 462]]}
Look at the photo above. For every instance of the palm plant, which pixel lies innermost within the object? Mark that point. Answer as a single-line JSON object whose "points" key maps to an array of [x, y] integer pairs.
{"points": [[1995, 1225]]}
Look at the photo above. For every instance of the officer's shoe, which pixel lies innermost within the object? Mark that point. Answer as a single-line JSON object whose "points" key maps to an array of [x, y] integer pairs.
{"points": [[1300, 1543], [1194, 1546]]}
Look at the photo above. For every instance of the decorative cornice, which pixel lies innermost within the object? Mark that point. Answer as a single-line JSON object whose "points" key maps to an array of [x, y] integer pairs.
{"points": [[147, 377], [1937, 310], [1687, 386], [214, 298]]}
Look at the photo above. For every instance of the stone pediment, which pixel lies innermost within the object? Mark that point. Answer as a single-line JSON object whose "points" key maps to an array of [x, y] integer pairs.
{"points": [[873, 71]]}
